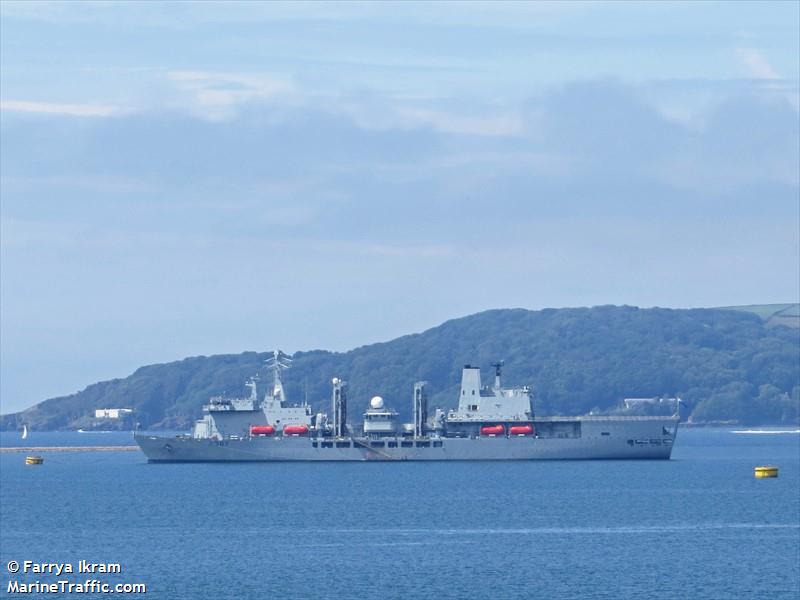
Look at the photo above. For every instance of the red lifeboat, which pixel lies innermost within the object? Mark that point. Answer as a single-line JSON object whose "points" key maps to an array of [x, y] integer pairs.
{"points": [[295, 430], [521, 430], [493, 430], [262, 430]]}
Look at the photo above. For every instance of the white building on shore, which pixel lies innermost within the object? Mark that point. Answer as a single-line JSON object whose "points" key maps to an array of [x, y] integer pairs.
{"points": [[112, 413]]}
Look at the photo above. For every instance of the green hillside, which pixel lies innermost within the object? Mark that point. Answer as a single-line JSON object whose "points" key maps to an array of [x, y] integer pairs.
{"points": [[727, 365], [773, 314]]}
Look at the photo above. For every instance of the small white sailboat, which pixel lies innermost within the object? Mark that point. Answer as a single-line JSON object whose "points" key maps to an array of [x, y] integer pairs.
{"points": [[24, 432]]}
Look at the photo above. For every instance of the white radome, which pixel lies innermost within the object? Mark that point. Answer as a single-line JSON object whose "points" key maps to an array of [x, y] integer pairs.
{"points": [[376, 402]]}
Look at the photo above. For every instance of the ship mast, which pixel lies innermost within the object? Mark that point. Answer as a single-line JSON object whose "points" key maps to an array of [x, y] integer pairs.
{"points": [[498, 370], [339, 402], [277, 363], [420, 408]]}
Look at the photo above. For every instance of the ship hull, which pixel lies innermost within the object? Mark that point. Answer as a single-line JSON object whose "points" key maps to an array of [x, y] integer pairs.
{"points": [[598, 438]]}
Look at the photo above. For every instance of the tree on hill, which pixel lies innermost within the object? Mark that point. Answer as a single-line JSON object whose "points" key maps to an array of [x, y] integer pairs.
{"points": [[726, 365]]}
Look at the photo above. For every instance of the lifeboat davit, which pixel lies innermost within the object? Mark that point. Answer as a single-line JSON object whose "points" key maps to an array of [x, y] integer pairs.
{"points": [[262, 430], [295, 430], [493, 430], [521, 430]]}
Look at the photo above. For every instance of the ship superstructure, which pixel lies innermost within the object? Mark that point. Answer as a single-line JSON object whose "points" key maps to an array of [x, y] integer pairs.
{"points": [[225, 417], [490, 423]]}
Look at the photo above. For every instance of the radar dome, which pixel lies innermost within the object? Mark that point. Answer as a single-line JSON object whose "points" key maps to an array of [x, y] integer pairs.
{"points": [[376, 402]]}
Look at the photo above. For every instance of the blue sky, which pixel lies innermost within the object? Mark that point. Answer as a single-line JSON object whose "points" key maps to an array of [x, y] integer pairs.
{"points": [[198, 178]]}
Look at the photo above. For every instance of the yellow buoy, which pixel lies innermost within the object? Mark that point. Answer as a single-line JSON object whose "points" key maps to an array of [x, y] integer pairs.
{"points": [[33, 460], [766, 471]]}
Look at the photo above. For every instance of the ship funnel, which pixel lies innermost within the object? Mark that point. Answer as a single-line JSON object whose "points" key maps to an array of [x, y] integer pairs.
{"points": [[469, 397]]}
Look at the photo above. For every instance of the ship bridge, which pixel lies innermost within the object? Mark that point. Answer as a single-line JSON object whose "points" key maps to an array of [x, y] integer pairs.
{"points": [[478, 403], [379, 420]]}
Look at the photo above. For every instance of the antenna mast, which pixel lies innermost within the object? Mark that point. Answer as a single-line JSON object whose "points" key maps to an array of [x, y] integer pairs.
{"points": [[277, 363], [498, 370]]}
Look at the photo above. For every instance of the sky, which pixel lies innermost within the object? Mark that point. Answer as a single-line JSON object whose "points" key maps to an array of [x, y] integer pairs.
{"points": [[179, 179]]}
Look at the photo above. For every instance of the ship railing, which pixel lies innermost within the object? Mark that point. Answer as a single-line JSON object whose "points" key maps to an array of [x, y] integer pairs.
{"points": [[479, 418], [557, 419]]}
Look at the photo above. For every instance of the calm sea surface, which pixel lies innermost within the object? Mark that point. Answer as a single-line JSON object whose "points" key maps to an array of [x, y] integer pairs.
{"points": [[698, 526]]}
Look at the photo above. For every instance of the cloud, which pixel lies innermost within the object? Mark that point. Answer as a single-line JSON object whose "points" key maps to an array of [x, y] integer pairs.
{"points": [[391, 251], [451, 122], [755, 64], [54, 108], [596, 198], [181, 15], [605, 127], [216, 95], [594, 147]]}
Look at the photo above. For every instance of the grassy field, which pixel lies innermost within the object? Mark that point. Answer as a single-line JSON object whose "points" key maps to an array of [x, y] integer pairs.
{"points": [[773, 314]]}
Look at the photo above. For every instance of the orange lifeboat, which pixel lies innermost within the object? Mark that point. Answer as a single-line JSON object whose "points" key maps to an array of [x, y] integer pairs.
{"points": [[493, 430], [295, 430], [521, 430], [262, 430]]}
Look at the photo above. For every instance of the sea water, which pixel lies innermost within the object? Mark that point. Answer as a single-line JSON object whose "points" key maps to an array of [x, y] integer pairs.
{"points": [[697, 526]]}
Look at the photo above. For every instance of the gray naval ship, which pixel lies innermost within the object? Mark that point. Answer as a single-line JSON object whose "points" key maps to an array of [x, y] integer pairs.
{"points": [[490, 423]]}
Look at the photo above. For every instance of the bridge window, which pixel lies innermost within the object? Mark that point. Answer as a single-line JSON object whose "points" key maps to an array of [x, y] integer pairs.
{"points": [[392, 444], [342, 444], [437, 444], [423, 444], [327, 444], [377, 444], [605, 433], [406, 444]]}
